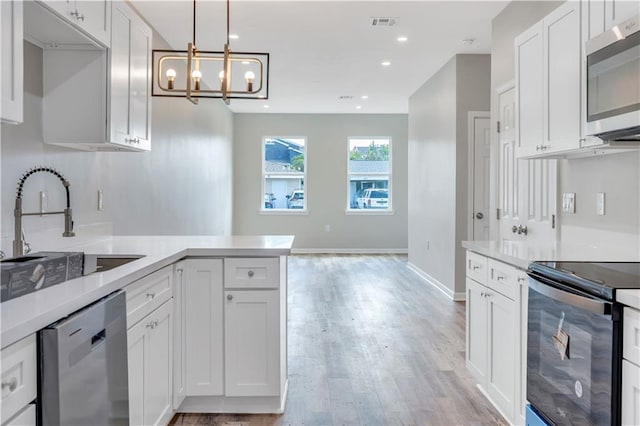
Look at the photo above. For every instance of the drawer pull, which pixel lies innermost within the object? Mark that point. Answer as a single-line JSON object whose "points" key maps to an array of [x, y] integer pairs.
{"points": [[250, 273], [475, 267], [521, 279], [152, 324], [11, 384], [151, 295], [229, 296], [500, 278]]}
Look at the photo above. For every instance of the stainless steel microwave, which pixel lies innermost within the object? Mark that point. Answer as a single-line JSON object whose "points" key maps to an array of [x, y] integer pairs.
{"points": [[613, 83]]}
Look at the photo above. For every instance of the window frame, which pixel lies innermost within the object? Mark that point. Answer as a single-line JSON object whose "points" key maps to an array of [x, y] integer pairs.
{"points": [[355, 211], [283, 211]]}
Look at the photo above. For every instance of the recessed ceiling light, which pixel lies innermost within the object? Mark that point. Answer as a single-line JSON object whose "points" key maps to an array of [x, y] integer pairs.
{"points": [[234, 36], [358, 106], [468, 41], [266, 106], [402, 39], [364, 97], [385, 63]]}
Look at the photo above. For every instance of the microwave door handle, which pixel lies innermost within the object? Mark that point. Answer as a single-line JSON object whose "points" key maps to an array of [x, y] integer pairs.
{"points": [[581, 302]]}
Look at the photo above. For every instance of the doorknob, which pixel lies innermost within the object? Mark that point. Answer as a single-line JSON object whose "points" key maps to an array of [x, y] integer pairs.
{"points": [[479, 215]]}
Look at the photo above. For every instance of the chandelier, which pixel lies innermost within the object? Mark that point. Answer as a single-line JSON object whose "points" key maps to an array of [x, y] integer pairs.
{"points": [[195, 73]]}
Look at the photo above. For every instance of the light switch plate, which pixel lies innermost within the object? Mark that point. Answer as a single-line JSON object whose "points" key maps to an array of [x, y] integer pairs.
{"points": [[569, 202], [600, 204]]}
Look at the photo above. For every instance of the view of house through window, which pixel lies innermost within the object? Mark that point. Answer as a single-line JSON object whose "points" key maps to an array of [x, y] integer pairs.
{"points": [[283, 173], [369, 173]]}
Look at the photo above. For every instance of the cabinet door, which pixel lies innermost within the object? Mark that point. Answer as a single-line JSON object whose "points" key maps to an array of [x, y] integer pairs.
{"points": [[501, 372], [140, 75], [204, 316], [251, 342], [529, 90], [617, 11], [630, 394], [592, 18], [179, 335], [476, 324], [12, 60], [562, 78], [120, 73], [95, 19], [158, 385], [138, 348]]}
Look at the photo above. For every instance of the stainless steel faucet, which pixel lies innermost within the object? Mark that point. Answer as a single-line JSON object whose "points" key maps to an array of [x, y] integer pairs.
{"points": [[18, 240]]}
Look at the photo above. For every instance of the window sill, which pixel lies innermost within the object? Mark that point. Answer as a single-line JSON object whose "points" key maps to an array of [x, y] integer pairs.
{"points": [[284, 212], [369, 212]]}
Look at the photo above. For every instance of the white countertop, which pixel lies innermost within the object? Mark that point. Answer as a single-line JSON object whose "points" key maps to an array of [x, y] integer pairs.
{"points": [[30, 313]]}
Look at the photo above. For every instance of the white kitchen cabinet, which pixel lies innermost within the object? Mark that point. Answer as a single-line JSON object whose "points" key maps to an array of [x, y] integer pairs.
{"points": [[204, 327], [616, 11], [150, 350], [26, 417], [251, 342], [11, 39], [179, 334], [630, 394], [93, 17], [19, 377], [494, 332], [549, 83], [130, 57]]}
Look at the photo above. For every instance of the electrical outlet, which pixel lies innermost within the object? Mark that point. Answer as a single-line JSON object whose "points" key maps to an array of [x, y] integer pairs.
{"points": [[600, 204], [100, 201], [569, 202]]}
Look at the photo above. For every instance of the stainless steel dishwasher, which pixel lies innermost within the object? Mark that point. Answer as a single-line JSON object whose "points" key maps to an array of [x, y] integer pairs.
{"points": [[82, 367]]}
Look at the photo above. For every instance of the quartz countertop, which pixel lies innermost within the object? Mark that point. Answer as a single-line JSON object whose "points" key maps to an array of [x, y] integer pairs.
{"points": [[28, 314]]}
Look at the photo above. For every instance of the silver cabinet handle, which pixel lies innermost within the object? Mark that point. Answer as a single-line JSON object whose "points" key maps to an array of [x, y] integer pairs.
{"points": [[179, 270], [229, 296], [151, 295], [500, 278], [11, 384], [475, 267], [482, 294], [521, 279], [479, 215], [514, 229], [250, 273]]}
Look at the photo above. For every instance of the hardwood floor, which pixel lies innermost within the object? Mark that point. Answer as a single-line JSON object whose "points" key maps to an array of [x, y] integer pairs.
{"points": [[370, 344]]}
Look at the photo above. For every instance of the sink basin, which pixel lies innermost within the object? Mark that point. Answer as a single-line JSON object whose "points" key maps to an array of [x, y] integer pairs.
{"points": [[106, 262]]}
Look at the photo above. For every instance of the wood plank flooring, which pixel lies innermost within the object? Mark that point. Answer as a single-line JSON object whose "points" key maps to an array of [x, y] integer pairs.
{"points": [[370, 344]]}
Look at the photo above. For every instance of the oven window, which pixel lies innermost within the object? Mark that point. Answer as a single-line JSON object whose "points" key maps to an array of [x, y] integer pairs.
{"points": [[613, 79], [569, 362]]}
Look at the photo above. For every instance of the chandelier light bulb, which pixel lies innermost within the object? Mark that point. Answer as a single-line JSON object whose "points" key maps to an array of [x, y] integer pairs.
{"points": [[249, 76], [171, 76], [196, 75], [221, 75]]}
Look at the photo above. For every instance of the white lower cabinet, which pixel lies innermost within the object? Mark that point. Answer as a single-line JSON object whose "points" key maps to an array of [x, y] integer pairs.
{"points": [[204, 327], [179, 334], [631, 367], [18, 369], [251, 343], [496, 353]]}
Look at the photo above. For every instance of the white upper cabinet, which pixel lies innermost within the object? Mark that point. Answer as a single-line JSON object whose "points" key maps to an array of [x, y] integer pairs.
{"points": [[93, 17], [12, 60], [548, 84]]}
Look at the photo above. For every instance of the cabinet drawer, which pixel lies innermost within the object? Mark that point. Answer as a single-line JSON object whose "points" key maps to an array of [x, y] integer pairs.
{"points": [[18, 376], [502, 278], [631, 335], [148, 293], [256, 272], [477, 267], [26, 418]]}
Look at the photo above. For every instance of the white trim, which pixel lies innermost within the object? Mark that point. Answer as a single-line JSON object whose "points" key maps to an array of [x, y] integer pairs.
{"points": [[369, 212], [496, 406], [471, 117], [284, 212], [349, 251], [456, 297], [505, 87]]}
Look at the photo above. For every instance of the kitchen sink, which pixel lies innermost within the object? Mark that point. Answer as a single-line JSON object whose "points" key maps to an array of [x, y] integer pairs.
{"points": [[106, 262]]}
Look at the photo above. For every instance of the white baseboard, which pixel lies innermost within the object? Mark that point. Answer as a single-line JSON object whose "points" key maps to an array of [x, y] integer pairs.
{"points": [[347, 251], [456, 297]]}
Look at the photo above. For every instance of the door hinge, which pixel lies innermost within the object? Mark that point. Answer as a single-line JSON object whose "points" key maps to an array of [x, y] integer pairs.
{"points": [[498, 126], [497, 214], [553, 221]]}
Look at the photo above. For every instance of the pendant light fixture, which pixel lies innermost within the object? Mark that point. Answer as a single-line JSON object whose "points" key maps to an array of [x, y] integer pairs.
{"points": [[195, 73]]}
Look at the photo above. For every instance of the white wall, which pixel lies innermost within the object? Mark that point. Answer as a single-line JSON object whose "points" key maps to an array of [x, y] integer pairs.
{"points": [[326, 183], [438, 154], [22, 147], [617, 175]]}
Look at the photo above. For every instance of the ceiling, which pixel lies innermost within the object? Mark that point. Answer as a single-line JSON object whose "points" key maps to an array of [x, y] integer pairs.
{"points": [[321, 51]]}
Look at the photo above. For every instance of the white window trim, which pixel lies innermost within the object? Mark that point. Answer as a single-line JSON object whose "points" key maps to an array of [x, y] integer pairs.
{"points": [[285, 211], [372, 212]]}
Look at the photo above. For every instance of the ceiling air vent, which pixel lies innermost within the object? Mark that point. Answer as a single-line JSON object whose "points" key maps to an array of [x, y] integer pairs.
{"points": [[384, 22]]}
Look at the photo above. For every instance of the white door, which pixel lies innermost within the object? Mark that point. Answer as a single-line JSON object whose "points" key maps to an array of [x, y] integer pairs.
{"points": [[476, 307], [501, 326], [158, 389], [204, 316], [138, 347], [481, 144], [251, 343]]}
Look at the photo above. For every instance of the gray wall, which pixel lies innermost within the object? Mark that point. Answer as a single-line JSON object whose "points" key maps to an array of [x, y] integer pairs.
{"points": [[616, 175], [326, 184], [22, 147], [438, 165]]}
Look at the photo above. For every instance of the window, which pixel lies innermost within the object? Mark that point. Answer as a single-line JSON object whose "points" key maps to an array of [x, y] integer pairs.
{"points": [[284, 174], [369, 174]]}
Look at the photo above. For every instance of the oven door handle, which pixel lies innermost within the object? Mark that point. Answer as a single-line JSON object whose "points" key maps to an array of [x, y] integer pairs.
{"points": [[592, 305]]}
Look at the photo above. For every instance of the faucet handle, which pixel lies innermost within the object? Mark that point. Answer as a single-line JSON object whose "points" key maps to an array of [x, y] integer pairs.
{"points": [[27, 246]]}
